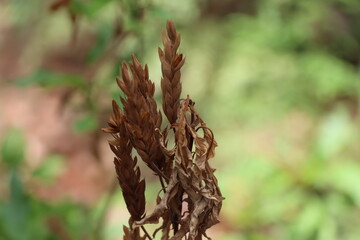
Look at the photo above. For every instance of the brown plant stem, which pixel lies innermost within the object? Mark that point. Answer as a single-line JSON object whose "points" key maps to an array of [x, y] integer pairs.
{"points": [[146, 233]]}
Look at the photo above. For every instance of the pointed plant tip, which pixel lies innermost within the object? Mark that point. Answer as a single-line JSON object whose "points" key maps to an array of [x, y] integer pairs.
{"points": [[118, 81], [124, 66], [171, 30], [170, 24], [146, 71], [134, 59], [115, 105], [160, 51]]}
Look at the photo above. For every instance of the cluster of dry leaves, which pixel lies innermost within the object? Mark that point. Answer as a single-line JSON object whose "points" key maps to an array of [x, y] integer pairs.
{"points": [[191, 199]]}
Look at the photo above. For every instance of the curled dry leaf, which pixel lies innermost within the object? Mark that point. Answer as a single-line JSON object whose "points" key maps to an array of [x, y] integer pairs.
{"points": [[191, 174]]}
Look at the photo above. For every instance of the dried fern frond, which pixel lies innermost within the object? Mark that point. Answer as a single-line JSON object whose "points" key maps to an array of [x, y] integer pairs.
{"points": [[128, 174], [129, 179], [142, 117], [171, 63]]}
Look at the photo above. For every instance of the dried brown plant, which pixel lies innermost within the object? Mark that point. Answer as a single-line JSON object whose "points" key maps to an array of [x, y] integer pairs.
{"points": [[142, 117], [171, 63], [191, 199], [128, 173]]}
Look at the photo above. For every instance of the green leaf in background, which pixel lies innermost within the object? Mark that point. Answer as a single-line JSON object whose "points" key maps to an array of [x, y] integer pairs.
{"points": [[309, 220], [334, 133], [86, 123], [159, 12], [16, 188], [104, 35], [88, 8], [16, 211], [327, 75], [328, 230], [46, 78], [13, 148], [23, 217], [51, 167], [346, 177]]}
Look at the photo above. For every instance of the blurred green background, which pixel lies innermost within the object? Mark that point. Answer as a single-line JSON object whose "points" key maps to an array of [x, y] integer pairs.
{"points": [[276, 80]]}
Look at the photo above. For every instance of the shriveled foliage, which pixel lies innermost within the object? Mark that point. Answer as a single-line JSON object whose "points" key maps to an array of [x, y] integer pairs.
{"points": [[142, 117], [191, 199], [171, 63]]}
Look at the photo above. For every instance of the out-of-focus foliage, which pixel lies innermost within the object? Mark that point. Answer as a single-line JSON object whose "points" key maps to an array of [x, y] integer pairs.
{"points": [[23, 216], [12, 148], [277, 81]]}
